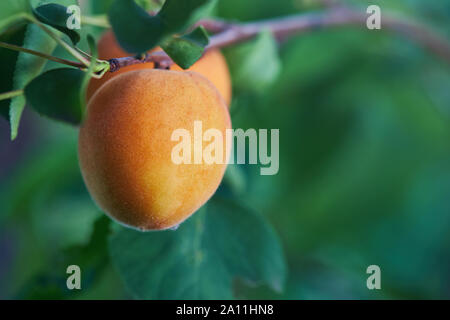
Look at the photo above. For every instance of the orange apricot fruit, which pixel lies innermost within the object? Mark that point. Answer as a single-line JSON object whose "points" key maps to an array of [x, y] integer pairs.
{"points": [[212, 65], [125, 146]]}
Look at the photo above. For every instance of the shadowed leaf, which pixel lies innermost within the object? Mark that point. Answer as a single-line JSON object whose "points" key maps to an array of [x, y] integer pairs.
{"points": [[56, 94], [56, 16], [199, 260], [137, 31]]}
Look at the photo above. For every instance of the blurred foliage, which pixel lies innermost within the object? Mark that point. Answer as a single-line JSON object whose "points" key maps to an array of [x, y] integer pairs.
{"points": [[254, 65], [201, 257], [364, 170]]}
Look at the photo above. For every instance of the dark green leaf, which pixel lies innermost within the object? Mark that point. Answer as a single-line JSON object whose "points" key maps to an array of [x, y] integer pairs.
{"points": [[56, 16], [138, 32], [199, 260], [255, 65], [56, 94], [187, 49]]}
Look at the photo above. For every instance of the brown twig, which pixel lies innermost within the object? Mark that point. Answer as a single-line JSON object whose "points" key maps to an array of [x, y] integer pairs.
{"points": [[159, 58], [227, 34]]}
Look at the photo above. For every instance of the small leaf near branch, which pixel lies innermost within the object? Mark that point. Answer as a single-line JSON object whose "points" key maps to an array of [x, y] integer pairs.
{"points": [[187, 49], [199, 260], [56, 16], [255, 65], [56, 94], [137, 31]]}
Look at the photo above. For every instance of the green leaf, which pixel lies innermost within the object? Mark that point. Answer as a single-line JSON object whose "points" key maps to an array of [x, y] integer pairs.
{"points": [[56, 94], [12, 11], [200, 259], [187, 49], [27, 67], [56, 16], [255, 65], [137, 31]]}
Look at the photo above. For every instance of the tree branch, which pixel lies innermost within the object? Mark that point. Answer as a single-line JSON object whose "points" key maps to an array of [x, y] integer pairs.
{"points": [[232, 33]]}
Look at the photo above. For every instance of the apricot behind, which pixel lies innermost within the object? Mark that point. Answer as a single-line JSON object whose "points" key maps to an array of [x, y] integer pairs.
{"points": [[212, 65], [125, 146]]}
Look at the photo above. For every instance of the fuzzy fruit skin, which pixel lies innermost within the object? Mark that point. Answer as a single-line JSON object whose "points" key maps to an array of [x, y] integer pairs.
{"points": [[213, 66], [125, 146]]}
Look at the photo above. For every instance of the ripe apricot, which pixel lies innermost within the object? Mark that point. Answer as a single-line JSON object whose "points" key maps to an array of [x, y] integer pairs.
{"points": [[212, 65], [125, 147]]}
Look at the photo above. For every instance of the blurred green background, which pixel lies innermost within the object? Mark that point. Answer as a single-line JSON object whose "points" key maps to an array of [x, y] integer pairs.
{"points": [[364, 119]]}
